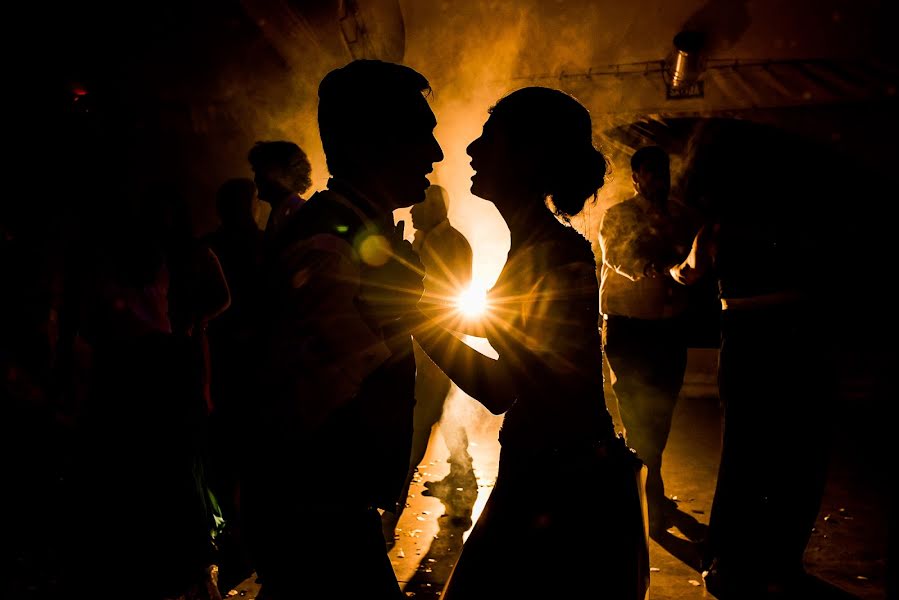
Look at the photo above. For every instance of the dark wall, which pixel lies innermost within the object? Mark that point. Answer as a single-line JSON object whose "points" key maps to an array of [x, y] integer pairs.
{"points": [[134, 94], [812, 184]]}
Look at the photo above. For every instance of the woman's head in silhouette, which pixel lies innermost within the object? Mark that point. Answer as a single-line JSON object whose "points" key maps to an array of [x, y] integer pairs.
{"points": [[537, 144]]}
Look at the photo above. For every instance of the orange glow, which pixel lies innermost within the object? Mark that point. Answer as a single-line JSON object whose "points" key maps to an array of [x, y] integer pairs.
{"points": [[374, 250], [472, 302]]}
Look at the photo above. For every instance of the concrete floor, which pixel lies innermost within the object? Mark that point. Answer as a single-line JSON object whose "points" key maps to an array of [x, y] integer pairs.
{"points": [[846, 554]]}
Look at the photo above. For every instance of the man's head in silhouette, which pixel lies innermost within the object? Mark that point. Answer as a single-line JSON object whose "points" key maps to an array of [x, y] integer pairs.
{"points": [[432, 211], [377, 131], [281, 170], [651, 173]]}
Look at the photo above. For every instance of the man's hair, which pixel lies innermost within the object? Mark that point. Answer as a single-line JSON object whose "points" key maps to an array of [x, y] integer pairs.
{"points": [[435, 193], [653, 156], [356, 103], [284, 154], [277, 153]]}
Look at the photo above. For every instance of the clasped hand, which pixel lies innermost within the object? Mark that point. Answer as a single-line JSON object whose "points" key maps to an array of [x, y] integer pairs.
{"points": [[391, 291]]}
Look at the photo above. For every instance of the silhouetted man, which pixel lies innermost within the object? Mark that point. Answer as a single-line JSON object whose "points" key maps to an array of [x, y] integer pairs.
{"points": [[643, 302], [766, 243], [339, 374]]}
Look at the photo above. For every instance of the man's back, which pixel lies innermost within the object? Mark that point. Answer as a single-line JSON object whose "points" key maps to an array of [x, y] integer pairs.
{"points": [[633, 234]]}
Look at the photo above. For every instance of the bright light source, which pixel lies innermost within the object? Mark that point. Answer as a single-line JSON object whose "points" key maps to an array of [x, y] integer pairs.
{"points": [[472, 302]]}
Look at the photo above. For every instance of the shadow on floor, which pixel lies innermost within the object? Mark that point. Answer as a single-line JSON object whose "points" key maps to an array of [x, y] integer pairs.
{"points": [[458, 493], [807, 587], [687, 549]]}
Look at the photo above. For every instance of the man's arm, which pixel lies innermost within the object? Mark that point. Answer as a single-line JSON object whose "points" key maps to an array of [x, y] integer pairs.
{"points": [[213, 297], [631, 246], [701, 257]]}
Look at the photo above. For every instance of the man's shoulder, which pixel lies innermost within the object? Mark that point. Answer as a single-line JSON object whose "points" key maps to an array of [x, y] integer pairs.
{"points": [[628, 204], [441, 233], [323, 213], [322, 223], [327, 204], [454, 234], [627, 208]]}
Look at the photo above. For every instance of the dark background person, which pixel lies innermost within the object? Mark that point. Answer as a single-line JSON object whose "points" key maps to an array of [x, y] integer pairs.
{"points": [[766, 241], [238, 244], [537, 147], [37, 441], [197, 291], [143, 426], [338, 372], [281, 172], [447, 259], [643, 306]]}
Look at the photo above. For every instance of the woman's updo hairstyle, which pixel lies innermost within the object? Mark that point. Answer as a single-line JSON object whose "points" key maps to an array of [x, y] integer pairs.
{"points": [[554, 135]]}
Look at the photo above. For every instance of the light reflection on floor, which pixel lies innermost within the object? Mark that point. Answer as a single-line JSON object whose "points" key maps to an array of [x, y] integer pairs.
{"points": [[419, 558]]}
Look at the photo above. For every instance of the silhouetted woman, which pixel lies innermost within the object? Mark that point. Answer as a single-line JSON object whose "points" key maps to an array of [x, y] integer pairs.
{"points": [[565, 518]]}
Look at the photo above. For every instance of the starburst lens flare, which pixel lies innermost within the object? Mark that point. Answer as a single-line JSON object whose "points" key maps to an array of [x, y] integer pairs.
{"points": [[472, 302]]}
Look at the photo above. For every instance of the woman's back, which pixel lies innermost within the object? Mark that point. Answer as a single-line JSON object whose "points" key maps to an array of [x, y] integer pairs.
{"points": [[545, 317]]}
